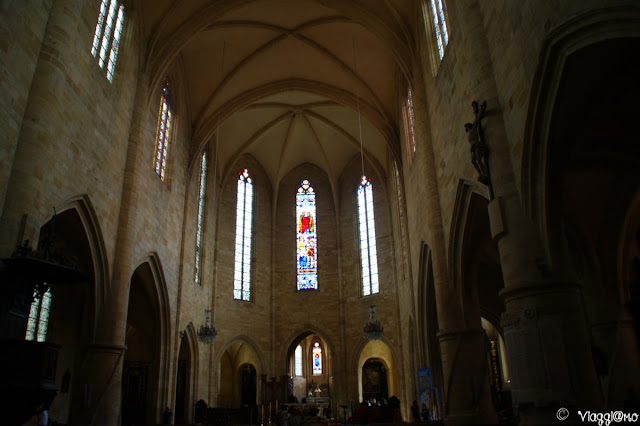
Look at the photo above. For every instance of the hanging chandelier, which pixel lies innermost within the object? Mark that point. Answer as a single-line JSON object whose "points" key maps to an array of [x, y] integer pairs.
{"points": [[207, 333], [373, 330]]}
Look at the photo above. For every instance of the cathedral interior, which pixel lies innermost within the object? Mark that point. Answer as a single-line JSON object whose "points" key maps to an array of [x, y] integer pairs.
{"points": [[223, 209]]}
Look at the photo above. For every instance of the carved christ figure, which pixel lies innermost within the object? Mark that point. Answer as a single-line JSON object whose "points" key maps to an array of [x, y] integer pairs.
{"points": [[478, 146]]}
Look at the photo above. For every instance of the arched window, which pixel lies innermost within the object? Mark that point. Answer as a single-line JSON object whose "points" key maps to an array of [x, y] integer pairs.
{"points": [[298, 361], [244, 216], [307, 254], [409, 122], [317, 358], [106, 39], [200, 219], [437, 11], [164, 132], [38, 321], [367, 227]]}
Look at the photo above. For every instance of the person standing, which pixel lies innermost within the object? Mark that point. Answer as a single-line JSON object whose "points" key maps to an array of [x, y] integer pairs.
{"points": [[415, 412]]}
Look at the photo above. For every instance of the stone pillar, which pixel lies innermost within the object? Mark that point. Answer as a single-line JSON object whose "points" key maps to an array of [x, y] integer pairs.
{"points": [[98, 384], [23, 27], [545, 330], [109, 347], [26, 202], [468, 394]]}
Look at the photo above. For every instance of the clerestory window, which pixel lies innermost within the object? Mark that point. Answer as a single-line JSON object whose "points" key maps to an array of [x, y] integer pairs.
{"points": [[244, 220], [200, 218], [163, 134], [106, 39], [306, 240], [367, 228]]}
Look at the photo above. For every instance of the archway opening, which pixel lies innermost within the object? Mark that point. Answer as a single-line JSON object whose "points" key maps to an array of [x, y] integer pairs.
{"points": [[380, 351], [238, 378], [592, 188], [309, 366], [375, 389], [183, 382], [248, 380], [71, 315], [481, 283], [141, 361]]}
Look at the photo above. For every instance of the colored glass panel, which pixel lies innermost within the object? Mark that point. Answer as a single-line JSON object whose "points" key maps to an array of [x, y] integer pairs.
{"points": [[200, 221], [409, 121], [298, 361], [115, 44], [164, 132], [367, 227], [106, 39], [38, 321], [244, 217], [317, 358], [99, 26], [306, 240], [438, 14]]}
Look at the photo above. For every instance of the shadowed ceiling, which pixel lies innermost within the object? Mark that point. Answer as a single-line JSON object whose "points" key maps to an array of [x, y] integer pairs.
{"points": [[283, 80]]}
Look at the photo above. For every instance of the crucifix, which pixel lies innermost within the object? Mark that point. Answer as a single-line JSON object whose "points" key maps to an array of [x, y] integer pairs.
{"points": [[478, 146]]}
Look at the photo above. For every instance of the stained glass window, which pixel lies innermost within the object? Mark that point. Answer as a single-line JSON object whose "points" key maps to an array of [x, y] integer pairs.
{"points": [[298, 361], [409, 121], [106, 40], [200, 219], [244, 216], [164, 132], [439, 17], [367, 227], [317, 358], [401, 214], [307, 257], [38, 321]]}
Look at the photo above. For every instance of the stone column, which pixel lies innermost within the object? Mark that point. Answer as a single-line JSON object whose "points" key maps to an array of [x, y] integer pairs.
{"points": [[23, 26], [109, 341], [545, 331], [466, 393], [26, 202], [98, 384]]}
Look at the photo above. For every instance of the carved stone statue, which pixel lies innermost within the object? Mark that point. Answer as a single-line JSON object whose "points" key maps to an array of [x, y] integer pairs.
{"points": [[478, 146]]}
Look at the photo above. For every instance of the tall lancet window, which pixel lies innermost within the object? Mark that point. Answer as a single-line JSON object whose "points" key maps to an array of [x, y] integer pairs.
{"points": [[298, 361], [409, 125], [317, 358], [367, 227], [38, 321], [106, 39], [438, 12], [244, 217], [164, 132], [200, 218], [306, 237]]}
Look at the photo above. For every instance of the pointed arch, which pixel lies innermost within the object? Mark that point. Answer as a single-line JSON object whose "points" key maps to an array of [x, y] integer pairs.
{"points": [[294, 337], [190, 339], [83, 207], [383, 350], [466, 189], [160, 296], [562, 42], [250, 343]]}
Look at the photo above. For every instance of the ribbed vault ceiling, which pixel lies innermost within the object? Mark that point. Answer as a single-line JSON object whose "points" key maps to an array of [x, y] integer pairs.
{"points": [[279, 80]]}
